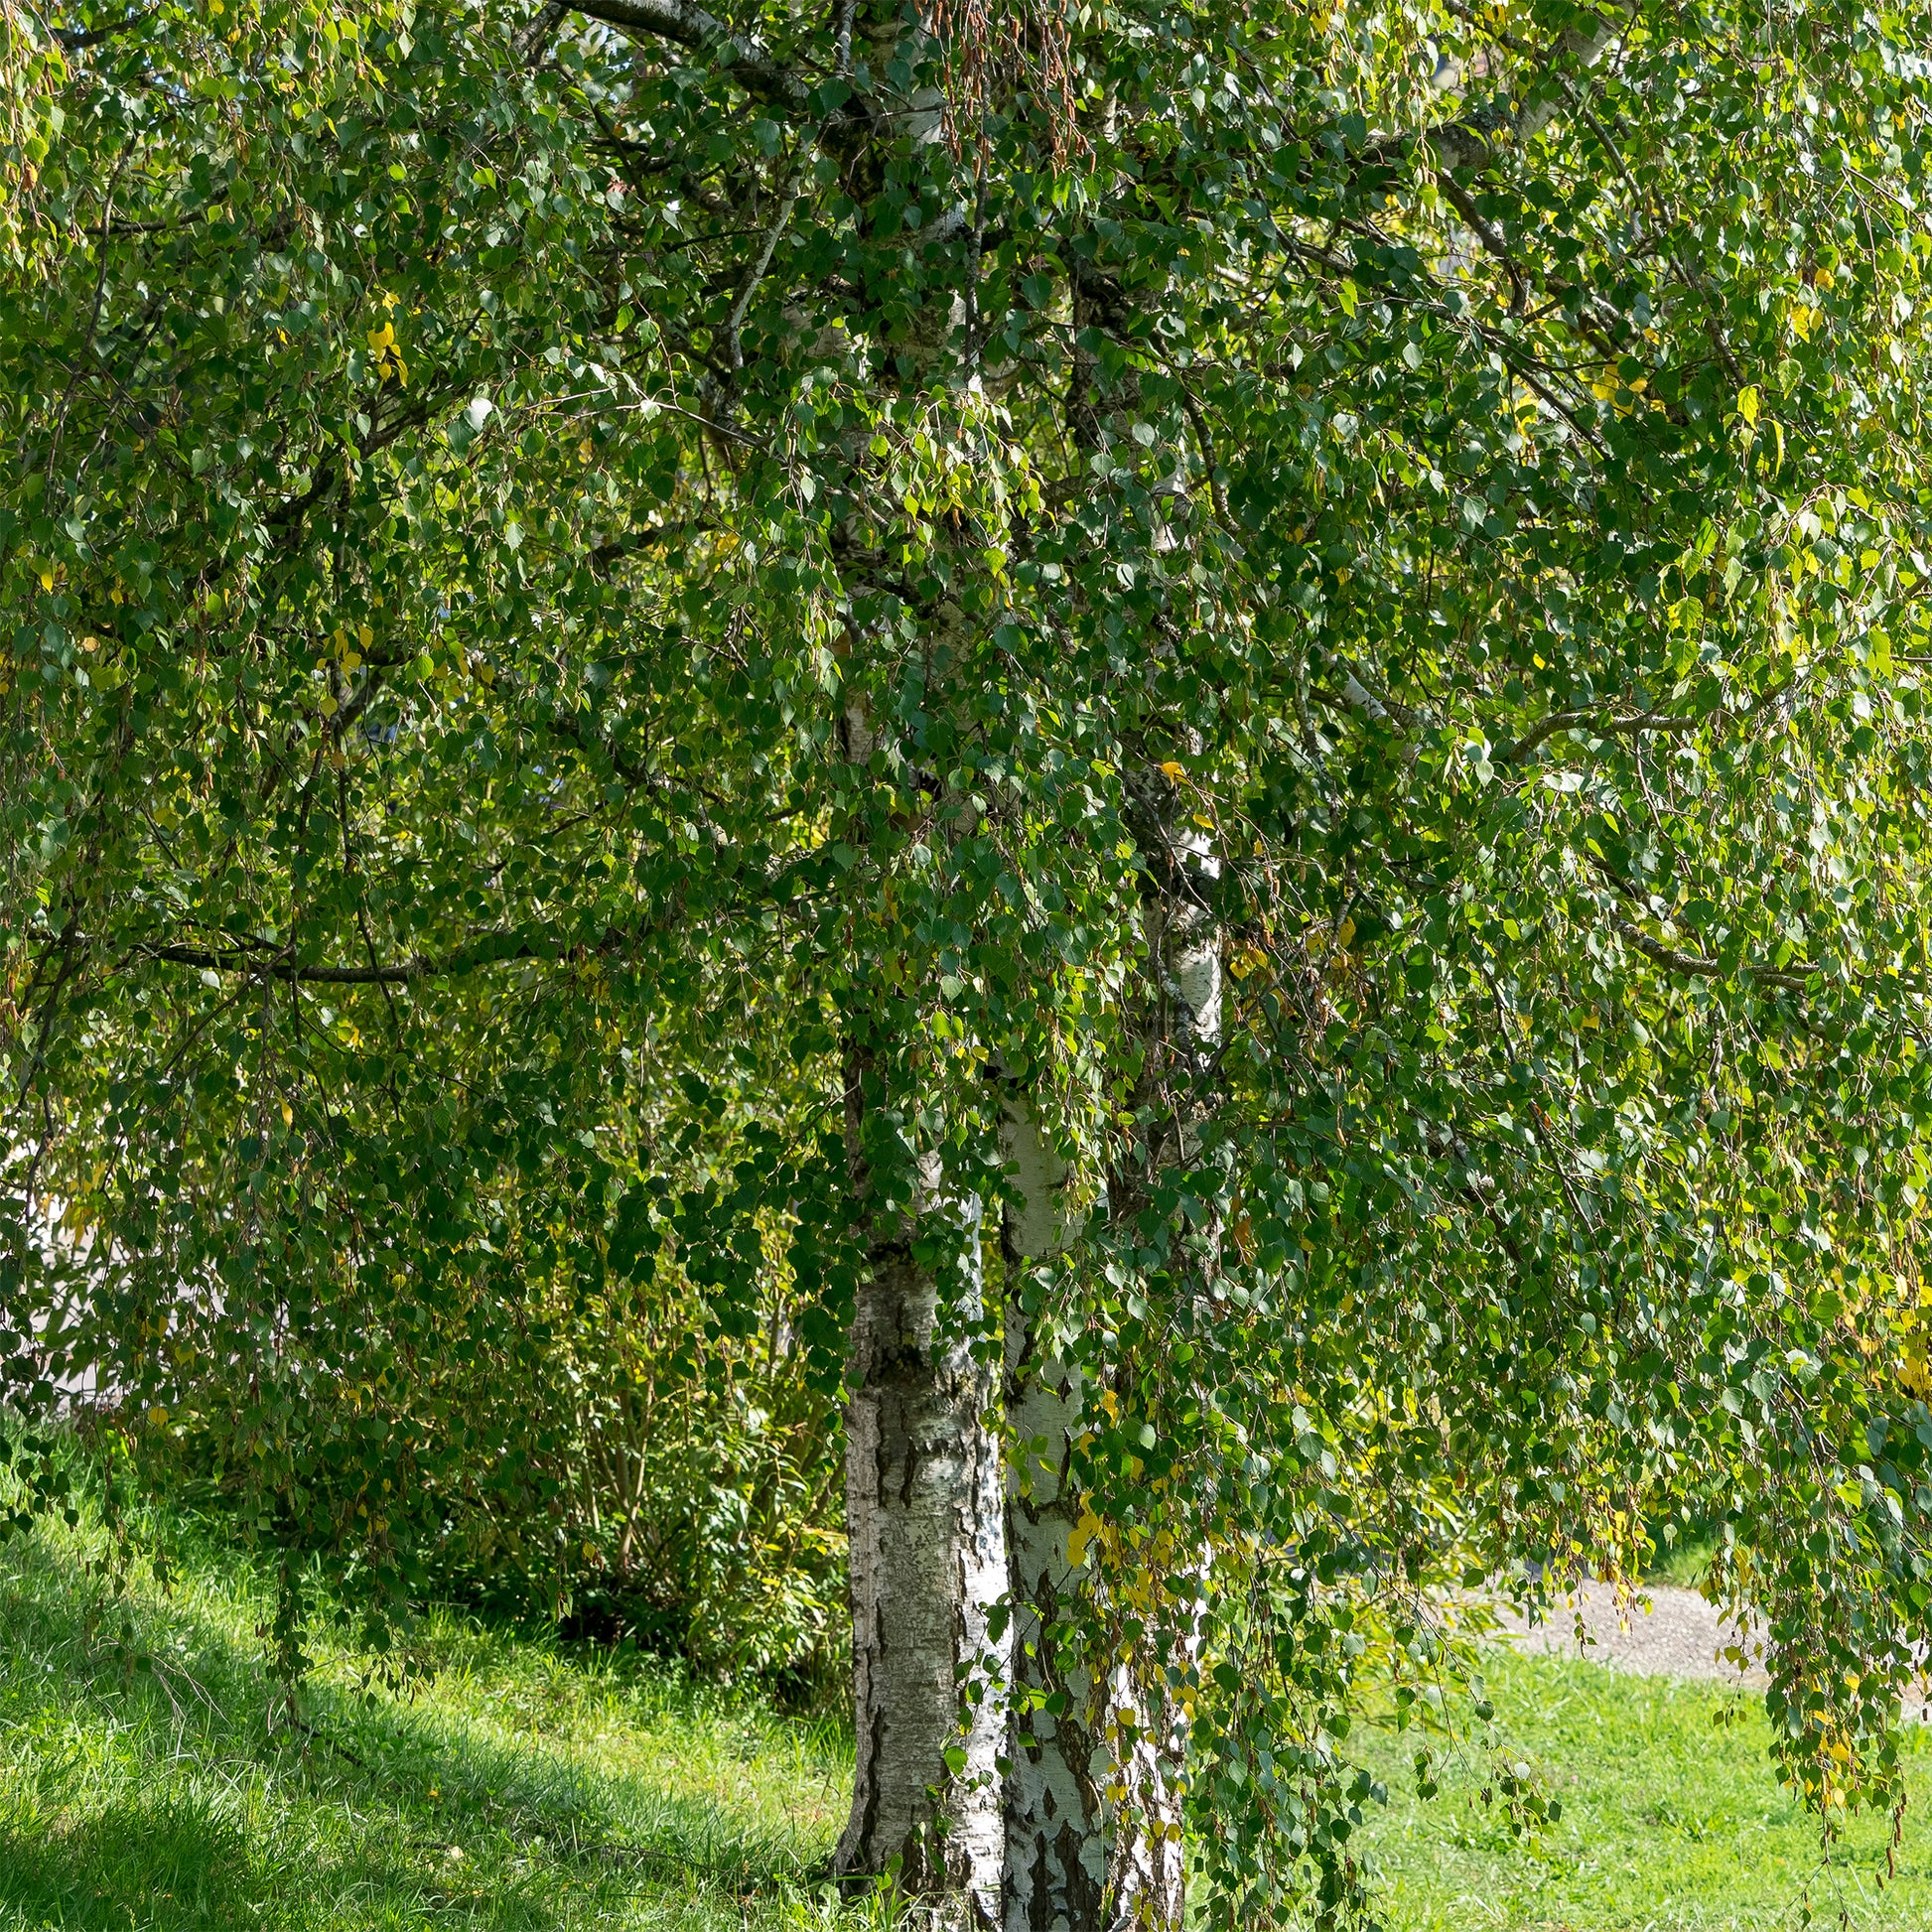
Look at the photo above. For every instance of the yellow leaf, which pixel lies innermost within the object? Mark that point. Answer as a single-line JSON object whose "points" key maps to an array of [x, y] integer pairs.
{"points": [[1748, 404], [365, 637], [1080, 1536]]}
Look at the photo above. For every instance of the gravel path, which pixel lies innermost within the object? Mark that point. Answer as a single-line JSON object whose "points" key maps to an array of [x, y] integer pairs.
{"points": [[1681, 1636]]}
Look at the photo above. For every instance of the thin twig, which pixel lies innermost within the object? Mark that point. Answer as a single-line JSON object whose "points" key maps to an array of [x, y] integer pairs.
{"points": [[755, 274], [93, 314]]}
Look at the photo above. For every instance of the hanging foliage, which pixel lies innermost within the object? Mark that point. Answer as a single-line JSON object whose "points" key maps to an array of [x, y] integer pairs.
{"points": [[1332, 597]]}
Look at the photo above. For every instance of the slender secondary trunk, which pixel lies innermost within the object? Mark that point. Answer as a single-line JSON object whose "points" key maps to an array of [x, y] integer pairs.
{"points": [[1057, 1836], [1093, 1825], [1150, 1863]]}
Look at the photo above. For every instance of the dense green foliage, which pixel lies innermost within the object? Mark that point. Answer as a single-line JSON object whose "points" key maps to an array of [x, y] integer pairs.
{"points": [[434, 1297], [570, 595]]}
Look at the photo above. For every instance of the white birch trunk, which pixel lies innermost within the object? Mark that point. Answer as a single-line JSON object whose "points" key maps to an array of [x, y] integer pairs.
{"points": [[926, 1521], [1092, 1826], [1187, 949], [1056, 1850], [925, 1514]]}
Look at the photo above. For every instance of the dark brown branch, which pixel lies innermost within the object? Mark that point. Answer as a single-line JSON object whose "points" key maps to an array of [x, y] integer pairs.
{"points": [[647, 537], [1695, 965], [1594, 722], [75, 41], [691, 27], [1698, 967], [492, 949], [174, 224]]}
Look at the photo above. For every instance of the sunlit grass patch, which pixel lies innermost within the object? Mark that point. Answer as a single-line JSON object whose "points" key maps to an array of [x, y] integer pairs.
{"points": [[522, 1784], [1672, 1817], [518, 1785]]}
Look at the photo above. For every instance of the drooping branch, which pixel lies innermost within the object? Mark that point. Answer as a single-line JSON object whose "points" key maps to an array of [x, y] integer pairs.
{"points": [[1694, 965], [1698, 967], [490, 949]]}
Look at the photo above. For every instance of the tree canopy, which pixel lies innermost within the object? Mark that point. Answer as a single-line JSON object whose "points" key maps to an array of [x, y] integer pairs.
{"points": [[627, 630]]}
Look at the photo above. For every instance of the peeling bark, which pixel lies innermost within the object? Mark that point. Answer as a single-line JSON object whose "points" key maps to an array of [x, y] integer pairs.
{"points": [[1092, 1836], [1055, 1815], [925, 1517]]}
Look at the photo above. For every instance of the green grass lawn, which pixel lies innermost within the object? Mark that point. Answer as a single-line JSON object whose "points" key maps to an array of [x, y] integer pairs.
{"points": [[528, 1786], [1672, 1817], [520, 1788]]}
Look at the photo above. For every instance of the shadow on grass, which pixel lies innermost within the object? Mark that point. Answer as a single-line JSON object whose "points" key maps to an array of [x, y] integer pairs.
{"points": [[182, 1864], [139, 1784]]}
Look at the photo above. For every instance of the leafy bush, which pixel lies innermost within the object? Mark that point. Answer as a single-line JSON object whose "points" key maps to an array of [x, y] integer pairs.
{"points": [[588, 1377], [606, 1474], [688, 1499]]}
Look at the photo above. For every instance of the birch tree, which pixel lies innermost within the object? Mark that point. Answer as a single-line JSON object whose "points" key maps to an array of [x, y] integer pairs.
{"points": [[1375, 555]]}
